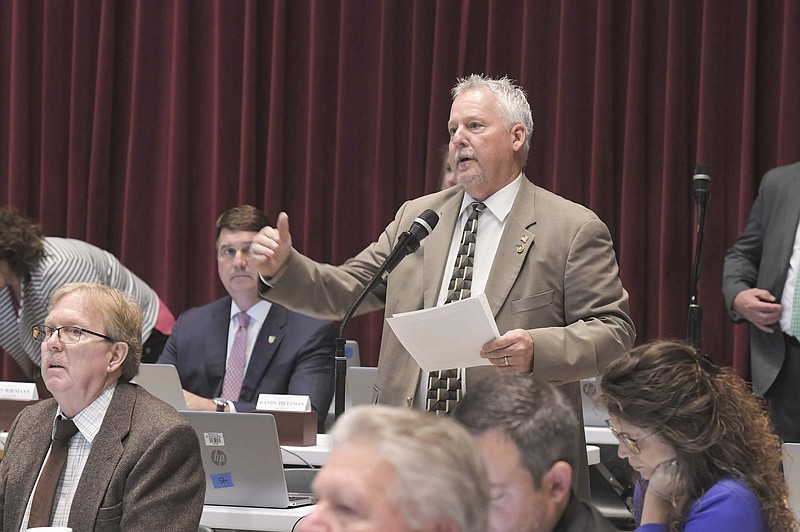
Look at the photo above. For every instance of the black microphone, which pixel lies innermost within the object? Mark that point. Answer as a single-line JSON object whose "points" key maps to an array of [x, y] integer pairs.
{"points": [[701, 181], [408, 242]]}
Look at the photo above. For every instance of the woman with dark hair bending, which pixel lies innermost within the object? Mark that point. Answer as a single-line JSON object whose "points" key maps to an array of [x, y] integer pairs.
{"points": [[700, 441]]}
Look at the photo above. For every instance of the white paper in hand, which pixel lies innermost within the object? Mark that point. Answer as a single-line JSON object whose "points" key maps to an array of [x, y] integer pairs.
{"points": [[450, 336]]}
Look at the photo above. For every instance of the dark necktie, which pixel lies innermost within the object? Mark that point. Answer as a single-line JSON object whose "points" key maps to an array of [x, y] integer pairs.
{"points": [[444, 386], [234, 372], [42, 504]]}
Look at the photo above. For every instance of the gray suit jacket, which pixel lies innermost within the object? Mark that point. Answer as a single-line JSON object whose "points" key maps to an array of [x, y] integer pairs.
{"points": [[143, 473], [760, 258]]}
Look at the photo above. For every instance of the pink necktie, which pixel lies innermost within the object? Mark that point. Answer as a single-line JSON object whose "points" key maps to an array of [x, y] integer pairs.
{"points": [[234, 371]]}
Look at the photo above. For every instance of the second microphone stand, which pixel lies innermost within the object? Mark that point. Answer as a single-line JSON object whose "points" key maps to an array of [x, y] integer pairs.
{"points": [[695, 316]]}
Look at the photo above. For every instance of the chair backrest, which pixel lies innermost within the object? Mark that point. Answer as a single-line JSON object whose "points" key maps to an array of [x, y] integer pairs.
{"points": [[791, 472]]}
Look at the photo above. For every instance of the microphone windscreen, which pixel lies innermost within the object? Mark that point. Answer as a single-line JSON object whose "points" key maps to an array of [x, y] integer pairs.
{"points": [[701, 178], [428, 219]]}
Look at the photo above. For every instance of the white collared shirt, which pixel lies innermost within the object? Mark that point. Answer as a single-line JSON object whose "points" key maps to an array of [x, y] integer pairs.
{"points": [[491, 224], [787, 298], [88, 422], [490, 228]]}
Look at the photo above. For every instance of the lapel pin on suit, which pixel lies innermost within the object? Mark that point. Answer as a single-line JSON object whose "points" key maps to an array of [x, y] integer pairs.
{"points": [[522, 241], [271, 339]]}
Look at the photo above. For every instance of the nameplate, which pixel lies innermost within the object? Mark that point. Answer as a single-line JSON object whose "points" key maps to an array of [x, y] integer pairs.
{"points": [[18, 391], [283, 403]]}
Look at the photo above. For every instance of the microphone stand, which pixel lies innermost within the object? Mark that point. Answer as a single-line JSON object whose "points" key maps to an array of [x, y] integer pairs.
{"points": [[340, 364], [695, 310]]}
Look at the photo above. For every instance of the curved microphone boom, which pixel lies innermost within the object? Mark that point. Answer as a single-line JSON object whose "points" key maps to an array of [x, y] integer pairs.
{"points": [[407, 243], [701, 181]]}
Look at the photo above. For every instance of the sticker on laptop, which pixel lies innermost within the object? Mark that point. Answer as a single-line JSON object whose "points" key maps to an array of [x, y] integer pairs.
{"points": [[214, 439], [221, 480]]}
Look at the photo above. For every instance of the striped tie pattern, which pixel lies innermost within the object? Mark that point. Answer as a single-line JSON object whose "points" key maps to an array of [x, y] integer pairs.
{"points": [[234, 371], [444, 386]]}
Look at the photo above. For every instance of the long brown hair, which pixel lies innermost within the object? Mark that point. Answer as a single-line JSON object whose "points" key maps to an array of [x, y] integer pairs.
{"points": [[21, 242], [717, 427]]}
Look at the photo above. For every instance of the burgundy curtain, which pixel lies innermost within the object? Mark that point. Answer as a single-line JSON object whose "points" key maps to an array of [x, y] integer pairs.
{"points": [[132, 124]]}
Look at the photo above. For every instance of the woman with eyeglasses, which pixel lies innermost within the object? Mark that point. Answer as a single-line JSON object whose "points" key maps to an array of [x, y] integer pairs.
{"points": [[700, 441]]}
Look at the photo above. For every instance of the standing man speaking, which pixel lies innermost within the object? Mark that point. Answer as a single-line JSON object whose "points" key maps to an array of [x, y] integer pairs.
{"points": [[546, 264]]}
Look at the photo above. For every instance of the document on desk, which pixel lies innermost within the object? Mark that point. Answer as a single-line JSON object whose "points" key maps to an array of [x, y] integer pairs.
{"points": [[450, 336]]}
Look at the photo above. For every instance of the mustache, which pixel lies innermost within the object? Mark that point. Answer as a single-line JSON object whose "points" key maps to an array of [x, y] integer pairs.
{"points": [[464, 153]]}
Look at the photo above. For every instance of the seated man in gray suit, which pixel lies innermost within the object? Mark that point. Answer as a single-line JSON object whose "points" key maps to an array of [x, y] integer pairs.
{"points": [[141, 458], [225, 364]]}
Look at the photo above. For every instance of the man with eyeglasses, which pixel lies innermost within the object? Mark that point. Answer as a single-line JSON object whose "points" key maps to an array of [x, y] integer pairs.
{"points": [[102, 454], [529, 438], [225, 364]]}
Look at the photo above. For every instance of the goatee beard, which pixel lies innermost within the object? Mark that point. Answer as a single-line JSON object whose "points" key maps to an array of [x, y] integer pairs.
{"points": [[470, 179]]}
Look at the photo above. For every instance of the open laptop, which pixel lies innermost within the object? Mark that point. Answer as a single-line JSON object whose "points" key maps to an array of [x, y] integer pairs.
{"points": [[242, 460], [162, 380], [593, 415], [791, 472], [360, 382]]}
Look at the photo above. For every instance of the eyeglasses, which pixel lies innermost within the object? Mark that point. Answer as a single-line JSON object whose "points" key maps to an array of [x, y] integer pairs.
{"points": [[68, 334], [622, 437]]}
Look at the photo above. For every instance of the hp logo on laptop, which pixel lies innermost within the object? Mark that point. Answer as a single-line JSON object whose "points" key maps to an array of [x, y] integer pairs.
{"points": [[218, 458]]}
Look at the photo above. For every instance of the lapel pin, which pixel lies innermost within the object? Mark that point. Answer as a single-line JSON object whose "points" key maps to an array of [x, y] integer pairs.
{"points": [[271, 339], [522, 241]]}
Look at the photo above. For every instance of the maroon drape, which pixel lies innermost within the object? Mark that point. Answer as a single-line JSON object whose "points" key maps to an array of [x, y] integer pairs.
{"points": [[133, 124]]}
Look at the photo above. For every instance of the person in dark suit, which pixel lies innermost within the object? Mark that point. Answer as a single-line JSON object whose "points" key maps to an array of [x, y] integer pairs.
{"points": [[134, 463], [546, 264], [760, 287], [527, 433], [285, 352]]}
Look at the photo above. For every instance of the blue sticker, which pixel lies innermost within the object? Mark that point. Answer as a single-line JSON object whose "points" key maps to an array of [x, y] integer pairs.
{"points": [[222, 480]]}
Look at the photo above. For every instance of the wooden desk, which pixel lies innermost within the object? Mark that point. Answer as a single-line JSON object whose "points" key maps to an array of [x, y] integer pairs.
{"points": [[313, 454], [244, 518], [317, 454], [268, 519]]}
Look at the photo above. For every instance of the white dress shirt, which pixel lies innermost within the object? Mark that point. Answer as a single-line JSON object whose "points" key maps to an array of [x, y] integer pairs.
{"points": [[491, 224], [787, 298]]}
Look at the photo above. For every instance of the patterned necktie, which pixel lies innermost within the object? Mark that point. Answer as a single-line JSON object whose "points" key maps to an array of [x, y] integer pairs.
{"points": [[234, 371], [444, 386], [42, 504]]}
